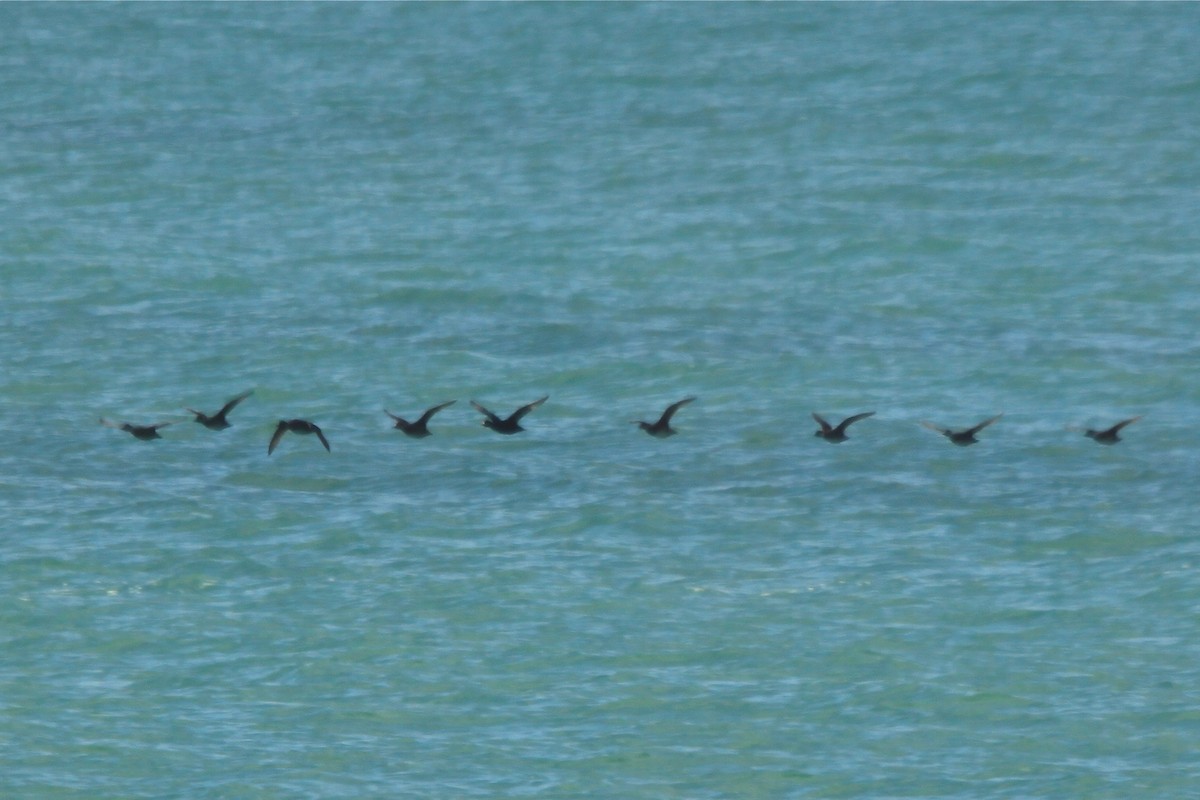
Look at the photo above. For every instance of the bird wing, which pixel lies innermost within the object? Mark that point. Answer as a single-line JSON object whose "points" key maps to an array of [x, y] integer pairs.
{"points": [[108, 423], [393, 416], [938, 428], [225, 409], [280, 430], [525, 409], [982, 425], [848, 421], [321, 436], [484, 411], [431, 411], [671, 409], [1123, 423], [825, 426]]}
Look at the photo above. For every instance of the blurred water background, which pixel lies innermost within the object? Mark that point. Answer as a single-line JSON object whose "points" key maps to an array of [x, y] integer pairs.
{"points": [[936, 212]]}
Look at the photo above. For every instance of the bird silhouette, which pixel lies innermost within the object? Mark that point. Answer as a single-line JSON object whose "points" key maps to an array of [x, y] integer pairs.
{"points": [[1109, 435], [662, 429], [295, 426], [418, 429], [512, 424], [964, 437], [837, 434], [217, 421], [143, 432]]}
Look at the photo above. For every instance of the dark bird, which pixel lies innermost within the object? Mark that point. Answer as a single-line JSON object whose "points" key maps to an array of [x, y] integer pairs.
{"points": [[143, 432], [962, 438], [1109, 435], [295, 426], [662, 429], [418, 429], [831, 434], [217, 421], [513, 423]]}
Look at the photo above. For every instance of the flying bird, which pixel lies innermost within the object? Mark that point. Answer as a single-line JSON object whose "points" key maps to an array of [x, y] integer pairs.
{"points": [[837, 434], [217, 421], [662, 429], [1109, 435], [513, 423], [295, 426], [143, 432], [964, 437], [418, 429]]}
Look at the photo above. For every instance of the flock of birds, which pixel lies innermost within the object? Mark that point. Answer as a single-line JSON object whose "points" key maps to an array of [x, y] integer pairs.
{"points": [[511, 424]]}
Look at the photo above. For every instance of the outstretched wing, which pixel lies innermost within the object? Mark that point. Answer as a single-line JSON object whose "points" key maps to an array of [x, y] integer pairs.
{"points": [[431, 411], [982, 425], [848, 421], [525, 409], [321, 436], [225, 409], [1115, 428], [938, 428], [671, 409], [484, 411], [280, 430], [825, 426], [401, 420]]}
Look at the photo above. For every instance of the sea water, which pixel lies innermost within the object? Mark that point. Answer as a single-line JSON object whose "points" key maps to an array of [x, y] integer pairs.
{"points": [[937, 213]]}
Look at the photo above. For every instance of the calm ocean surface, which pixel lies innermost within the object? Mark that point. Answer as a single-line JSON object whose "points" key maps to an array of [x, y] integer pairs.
{"points": [[934, 212]]}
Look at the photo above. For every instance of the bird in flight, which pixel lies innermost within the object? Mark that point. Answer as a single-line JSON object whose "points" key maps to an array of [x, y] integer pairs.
{"points": [[217, 421], [418, 429], [295, 426], [837, 434], [964, 437], [143, 432], [510, 425], [662, 429], [1109, 435]]}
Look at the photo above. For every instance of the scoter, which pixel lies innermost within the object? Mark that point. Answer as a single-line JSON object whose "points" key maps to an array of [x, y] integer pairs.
{"points": [[418, 429], [1109, 435], [965, 437], [831, 434], [512, 424], [217, 421], [143, 432], [662, 429], [295, 426]]}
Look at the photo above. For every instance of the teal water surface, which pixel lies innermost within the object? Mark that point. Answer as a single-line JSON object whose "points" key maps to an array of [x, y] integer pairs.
{"points": [[938, 213]]}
